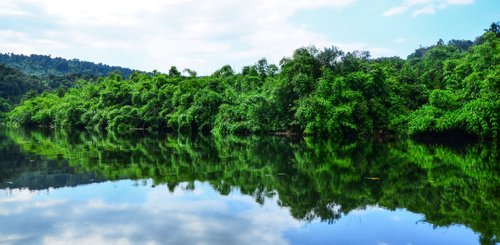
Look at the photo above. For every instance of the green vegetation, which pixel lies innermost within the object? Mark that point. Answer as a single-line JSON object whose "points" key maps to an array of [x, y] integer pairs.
{"points": [[314, 178], [25, 77], [46, 66], [449, 88], [13, 86]]}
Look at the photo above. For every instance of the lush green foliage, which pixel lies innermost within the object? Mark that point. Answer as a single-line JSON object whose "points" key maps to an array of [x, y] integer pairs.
{"points": [[13, 86], [24, 76], [445, 88], [465, 93], [314, 178]]}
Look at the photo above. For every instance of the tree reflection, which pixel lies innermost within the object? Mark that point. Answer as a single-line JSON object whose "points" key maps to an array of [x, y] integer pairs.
{"points": [[315, 179]]}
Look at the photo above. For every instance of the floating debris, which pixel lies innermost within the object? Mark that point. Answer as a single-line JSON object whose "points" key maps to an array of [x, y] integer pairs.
{"points": [[372, 178]]}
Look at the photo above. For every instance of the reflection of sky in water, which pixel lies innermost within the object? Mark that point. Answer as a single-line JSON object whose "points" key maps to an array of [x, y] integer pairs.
{"points": [[123, 212]]}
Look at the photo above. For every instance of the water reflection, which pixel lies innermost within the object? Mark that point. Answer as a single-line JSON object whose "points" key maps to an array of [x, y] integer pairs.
{"points": [[145, 216], [313, 181], [124, 213]]}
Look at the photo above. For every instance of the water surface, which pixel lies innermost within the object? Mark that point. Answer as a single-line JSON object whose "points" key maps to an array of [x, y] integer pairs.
{"points": [[85, 188]]}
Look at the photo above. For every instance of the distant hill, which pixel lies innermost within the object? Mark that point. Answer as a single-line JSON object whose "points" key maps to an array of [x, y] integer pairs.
{"points": [[23, 76], [45, 65], [14, 84]]}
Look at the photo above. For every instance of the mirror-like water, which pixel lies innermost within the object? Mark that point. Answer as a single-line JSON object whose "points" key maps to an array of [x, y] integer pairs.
{"points": [[82, 188]]}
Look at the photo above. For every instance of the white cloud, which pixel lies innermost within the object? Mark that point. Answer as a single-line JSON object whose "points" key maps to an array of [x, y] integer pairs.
{"points": [[424, 10], [15, 195], [423, 6], [460, 1], [153, 217], [11, 8], [10, 239], [155, 34], [395, 10]]}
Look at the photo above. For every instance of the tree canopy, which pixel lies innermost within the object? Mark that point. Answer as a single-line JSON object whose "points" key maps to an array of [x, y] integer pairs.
{"points": [[45, 65], [448, 88]]}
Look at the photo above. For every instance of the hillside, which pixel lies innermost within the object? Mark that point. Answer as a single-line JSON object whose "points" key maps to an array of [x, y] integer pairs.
{"points": [[45, 65], [24, 76], [14, 84]]}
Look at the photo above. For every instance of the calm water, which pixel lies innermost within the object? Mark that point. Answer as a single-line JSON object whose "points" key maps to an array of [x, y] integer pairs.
{"points": [[82, 188]]}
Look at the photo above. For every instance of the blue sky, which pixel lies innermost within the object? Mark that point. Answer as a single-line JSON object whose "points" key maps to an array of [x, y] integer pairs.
{"points": [[205, 35]]}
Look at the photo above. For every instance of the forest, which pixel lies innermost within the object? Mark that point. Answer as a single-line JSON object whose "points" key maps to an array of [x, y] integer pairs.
{"points": [[45, 65], [24, 77], [448, 88]]}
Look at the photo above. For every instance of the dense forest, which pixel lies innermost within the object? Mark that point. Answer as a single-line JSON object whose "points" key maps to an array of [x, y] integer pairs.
{"points": [[449, 88], [25, 77], [13, 86], [45, 65]]}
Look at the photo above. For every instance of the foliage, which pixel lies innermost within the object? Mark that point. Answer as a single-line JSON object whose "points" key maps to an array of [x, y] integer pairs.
{"points": [[24, 77], [45, 65], [446, 88]]}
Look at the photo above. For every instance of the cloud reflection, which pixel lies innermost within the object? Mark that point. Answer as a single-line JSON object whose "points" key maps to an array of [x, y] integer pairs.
{"points": [[162, 218]]}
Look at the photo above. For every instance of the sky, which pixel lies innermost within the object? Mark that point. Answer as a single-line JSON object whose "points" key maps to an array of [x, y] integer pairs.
{"points": [[206, 35]]}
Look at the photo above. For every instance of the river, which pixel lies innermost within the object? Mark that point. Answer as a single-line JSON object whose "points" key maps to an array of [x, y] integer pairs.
{"points": [[64, 187]]}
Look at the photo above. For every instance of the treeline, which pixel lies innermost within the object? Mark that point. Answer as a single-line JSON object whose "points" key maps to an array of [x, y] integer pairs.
{"points": [[451, 88], [24, 76], [45, 65], [15, 86]]}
